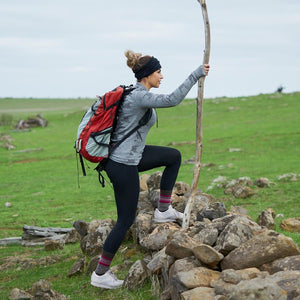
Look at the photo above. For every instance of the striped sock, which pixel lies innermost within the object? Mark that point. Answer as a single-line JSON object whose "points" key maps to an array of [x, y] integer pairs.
{"points": [[164, 201], [104, 263]]}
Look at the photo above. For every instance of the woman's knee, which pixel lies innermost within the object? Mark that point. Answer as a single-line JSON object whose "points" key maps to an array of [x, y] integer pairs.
{"points": [[125, 224], [175, 156]]}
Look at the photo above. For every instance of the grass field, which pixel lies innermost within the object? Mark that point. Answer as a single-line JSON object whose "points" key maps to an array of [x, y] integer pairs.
{"points": [[42, 186]]}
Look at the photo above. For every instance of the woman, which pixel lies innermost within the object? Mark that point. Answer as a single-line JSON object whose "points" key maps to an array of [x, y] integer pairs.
{"points": [[132, 157]]}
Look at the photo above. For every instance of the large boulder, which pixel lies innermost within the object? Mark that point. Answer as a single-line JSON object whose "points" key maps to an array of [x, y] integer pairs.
{"points": [[292, 224], [181, 245], [159, 237], [175, 287], [261, 249], [280, 286], [160, 260], [199, 293], [207, 255], [136, 275], [266, 219], [290, 263], [197, 277], [237, 232]]}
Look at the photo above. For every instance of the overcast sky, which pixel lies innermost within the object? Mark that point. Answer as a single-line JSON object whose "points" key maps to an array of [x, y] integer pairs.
{"points": [[75, 48]]}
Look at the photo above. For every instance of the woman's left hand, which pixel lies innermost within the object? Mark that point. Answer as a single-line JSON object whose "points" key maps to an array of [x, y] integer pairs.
{"points": [[206, 68]]}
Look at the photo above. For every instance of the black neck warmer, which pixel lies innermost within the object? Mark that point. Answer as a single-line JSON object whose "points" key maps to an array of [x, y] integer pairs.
{"points": [[150, 67]]}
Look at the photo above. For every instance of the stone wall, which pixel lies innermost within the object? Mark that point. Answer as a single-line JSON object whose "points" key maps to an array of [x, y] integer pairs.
{"points": [[222, 255]]}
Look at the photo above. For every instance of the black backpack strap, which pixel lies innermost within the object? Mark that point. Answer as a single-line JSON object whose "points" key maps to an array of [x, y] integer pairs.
{"points": [[143, 121], [99, 169], [82, 165]]}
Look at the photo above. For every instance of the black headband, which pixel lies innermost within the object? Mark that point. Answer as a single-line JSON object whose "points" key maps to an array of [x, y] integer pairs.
{"points": [[150, 67]]}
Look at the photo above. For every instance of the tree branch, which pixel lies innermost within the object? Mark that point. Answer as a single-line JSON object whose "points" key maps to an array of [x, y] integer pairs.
{"points": [[199, 146]]}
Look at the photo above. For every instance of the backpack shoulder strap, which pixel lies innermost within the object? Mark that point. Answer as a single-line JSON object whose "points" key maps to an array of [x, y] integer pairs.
{"points": [[143, 121]]}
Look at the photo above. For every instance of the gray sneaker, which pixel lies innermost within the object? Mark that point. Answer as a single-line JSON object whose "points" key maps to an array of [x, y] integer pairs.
{"points": [[106, 281], [170, 215]]}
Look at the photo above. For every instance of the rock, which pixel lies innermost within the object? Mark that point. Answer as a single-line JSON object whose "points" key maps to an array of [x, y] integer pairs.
{"points": [[220, 297], [289, 281], [153, 182], [262, 182], [160, 260], [71, 237], [261, 249], [238, 210], [266, 219], [240, 191], [236, 276], [144, 204], [154, 197], [237, 232], [289, 263], [257, 289], [42, 290], [142, 226], [92, 244], [213, 211], [179, 202], [272, 212], [292, 225], [136, 275], [17, 294], [38, 121], [175, 288], [92, 265], [50, 295], [280, 286], [201, 200], [40, 286], [143, 182], [221, 223], [207, 255], [208, 235], [180, 188], [181, 245], [77, 268], [159, 237], [230, 278], [196, 277], [199, 293], [81, 227], [98, 230], [101, 226], [51, 245]]}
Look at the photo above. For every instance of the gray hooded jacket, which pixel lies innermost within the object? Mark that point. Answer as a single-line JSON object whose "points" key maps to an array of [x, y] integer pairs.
{"points": [[134, 107]]}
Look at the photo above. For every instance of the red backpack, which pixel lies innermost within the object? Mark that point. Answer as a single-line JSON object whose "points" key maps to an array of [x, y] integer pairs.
{"points": [[97, 125]]}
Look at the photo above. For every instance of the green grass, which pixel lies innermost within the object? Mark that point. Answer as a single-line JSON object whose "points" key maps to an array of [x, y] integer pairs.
{"points": [[43, 190]]}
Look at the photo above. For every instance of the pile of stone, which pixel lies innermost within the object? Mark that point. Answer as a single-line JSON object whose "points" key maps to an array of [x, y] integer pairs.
{"points": [[6, 141], [37, 121], [222, 255], [39, 290], [241, 187]]}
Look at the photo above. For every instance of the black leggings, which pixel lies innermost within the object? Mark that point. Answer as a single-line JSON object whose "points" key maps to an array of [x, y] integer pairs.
{"points": [[126, 183]]}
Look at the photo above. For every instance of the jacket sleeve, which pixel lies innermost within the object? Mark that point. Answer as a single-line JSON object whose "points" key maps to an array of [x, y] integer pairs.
{"points": [[147, 100]]}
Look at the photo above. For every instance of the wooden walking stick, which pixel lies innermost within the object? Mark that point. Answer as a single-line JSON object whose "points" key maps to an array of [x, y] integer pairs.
{"points": [[197, 167]]}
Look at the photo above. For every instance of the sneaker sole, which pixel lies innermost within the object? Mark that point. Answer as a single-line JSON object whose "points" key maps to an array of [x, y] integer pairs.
{"points": [[165, 221], [103, 286]]}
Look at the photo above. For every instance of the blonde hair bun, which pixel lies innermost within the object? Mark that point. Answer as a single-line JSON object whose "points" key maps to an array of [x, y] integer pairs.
{"points": [[132, 58]]}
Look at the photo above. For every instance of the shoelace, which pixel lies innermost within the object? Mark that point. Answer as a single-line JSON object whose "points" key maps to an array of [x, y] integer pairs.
{"points": [[113, 276]]}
